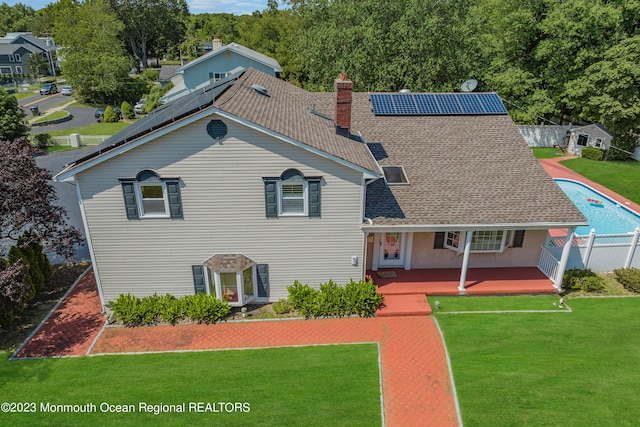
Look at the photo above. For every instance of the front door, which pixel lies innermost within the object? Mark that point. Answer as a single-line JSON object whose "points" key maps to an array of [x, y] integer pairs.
{"points": [[391, 250]]}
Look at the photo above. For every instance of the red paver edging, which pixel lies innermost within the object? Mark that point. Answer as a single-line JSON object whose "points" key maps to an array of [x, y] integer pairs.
{"points": [[416, 382], [72, 327]]}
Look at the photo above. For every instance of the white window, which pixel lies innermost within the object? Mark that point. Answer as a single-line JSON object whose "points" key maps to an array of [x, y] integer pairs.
{"points": [[598, 142], [152, 199], [488, 241], [12, 58], [235, 287], [18, 58], [18, 69], [5, 70], [293, 197], [481, 241]]}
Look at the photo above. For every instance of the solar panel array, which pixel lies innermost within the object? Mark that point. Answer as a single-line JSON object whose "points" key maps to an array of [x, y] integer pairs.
{"points": [[436, 104]]}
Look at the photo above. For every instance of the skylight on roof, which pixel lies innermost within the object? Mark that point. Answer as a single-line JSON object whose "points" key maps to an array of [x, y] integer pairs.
{"points": [[395, 175]]}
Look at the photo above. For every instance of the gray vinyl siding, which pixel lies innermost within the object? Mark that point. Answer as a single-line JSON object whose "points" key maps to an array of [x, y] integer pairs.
{"points": [[223, 205]]}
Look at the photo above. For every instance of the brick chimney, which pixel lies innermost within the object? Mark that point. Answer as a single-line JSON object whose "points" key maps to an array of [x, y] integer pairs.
{"points": [[216, 43], [343, 88]]}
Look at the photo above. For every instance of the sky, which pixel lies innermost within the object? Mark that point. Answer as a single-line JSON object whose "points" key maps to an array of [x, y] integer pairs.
{"points": [[195, 6]]}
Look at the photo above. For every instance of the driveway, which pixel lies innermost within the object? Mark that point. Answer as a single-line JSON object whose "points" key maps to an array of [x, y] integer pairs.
{"points": [[67, 198]]}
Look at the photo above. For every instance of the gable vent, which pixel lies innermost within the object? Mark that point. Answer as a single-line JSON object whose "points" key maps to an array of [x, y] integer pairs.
{"points": [[260, 89], [216, 129]]}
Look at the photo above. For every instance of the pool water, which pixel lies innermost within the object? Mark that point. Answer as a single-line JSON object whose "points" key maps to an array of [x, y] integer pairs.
{"points": [[608, 218]]}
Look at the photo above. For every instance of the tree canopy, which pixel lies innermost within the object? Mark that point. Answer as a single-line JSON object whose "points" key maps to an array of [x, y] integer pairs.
{"points": [[11, 117]]}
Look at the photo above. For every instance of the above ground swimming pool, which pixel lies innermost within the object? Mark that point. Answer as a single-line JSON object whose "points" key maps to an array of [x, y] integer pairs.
{"points": [[604, 214]]}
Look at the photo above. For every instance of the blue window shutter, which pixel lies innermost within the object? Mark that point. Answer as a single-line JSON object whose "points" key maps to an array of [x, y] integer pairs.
{"points": [[314, 198], [438, 242], [175, 203], [130, 200], [518, 238], [271, 198], [198, 278], [263, 280]]}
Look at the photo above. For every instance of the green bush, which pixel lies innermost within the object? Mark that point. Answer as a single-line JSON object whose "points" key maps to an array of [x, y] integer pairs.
{"points": [[332, 299], [42, 140], [282, 306], [582, 280], [150, 75], [629, 278], [201, 308], [593, 153], [127, 111], [110, 116]]}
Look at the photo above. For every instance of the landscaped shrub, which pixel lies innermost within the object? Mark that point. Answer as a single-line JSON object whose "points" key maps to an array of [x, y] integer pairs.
{"points": [[127, 111], [582, 280], [110, 116], [362, 298], [201, 308], [282, 306], [334, 300], [629, 278], [593, 153], [42, 140]]}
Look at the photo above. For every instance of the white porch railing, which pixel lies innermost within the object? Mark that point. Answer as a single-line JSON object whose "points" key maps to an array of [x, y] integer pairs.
{"points": [[598, 252], [548, 264]]}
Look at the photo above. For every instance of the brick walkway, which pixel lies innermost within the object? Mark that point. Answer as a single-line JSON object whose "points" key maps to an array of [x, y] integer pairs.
{"points": [[72, 327], [417, 388]]}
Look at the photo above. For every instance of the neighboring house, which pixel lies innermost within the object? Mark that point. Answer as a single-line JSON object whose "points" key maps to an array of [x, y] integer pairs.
{"points": [[16, 49], [593, 135], [244, 187], [167, 72], [220, 62], [571, 139]]}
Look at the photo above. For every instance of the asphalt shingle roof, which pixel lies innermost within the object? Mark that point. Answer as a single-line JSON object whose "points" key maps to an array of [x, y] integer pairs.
{"points": [[461, 170]]}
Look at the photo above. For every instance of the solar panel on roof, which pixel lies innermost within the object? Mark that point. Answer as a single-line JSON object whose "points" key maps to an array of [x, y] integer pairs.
{"points": [[404, 104], [436, 104]]}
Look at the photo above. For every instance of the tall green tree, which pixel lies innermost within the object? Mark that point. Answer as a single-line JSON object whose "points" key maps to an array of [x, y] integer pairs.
{"points": [[95, 62], [151, 26], [38, 65], [12, 124], [17, 18]]}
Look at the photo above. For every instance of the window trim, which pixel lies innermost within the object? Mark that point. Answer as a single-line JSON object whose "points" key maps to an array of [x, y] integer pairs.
{"points": [[19, 70], [133, 200], [305, 197], [18, 57], [140, 199], [274, 196], [457, 245], [586, 140], [215, 288], [12, 58]]}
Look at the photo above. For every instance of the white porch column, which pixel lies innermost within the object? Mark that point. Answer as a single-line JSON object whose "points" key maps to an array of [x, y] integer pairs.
{"points": [[587, 255], [632, 248], [408, 247], [465, 261], [564, 258]]}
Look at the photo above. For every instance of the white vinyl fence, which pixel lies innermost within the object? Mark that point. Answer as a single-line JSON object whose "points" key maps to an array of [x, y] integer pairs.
{"points": [[83, 140], [598, 252]]}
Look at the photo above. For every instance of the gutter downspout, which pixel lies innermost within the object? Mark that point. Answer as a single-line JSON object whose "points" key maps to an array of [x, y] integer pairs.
{"points": [[366, 237]]}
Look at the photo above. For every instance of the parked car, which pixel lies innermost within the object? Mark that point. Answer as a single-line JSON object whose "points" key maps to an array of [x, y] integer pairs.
{"points": [[67, 90], [100, 112], [139, 107], [48, 89]]}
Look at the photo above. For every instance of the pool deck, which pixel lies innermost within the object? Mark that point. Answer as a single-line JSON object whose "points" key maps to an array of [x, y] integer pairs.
{"points": [[556, 170]]}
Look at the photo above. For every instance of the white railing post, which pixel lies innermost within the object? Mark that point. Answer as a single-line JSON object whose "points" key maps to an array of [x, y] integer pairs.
{"points": [[632, 248], [587, 254], [564, 258]]}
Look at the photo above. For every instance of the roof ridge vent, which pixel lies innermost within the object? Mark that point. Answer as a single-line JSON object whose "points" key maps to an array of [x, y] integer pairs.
{"points": [[260, 89]]}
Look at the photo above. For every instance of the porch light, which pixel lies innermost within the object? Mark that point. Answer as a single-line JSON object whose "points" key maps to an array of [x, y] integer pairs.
{"points": [[244, 311]]}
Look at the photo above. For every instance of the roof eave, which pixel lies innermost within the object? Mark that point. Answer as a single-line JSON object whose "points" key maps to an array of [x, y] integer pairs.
{"points": [[470, 227]]}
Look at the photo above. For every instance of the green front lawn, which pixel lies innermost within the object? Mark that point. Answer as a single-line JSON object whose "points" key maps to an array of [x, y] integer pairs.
{"points": [[495, 303], [621, 177], [53, 116], [579, 368], [303, 386], [93, 129], [546, 152]]}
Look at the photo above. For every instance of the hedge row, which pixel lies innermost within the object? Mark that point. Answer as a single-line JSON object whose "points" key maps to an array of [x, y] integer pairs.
{"points": [[629, 278], [150, 310], [582, 280], [593, 153], [332, 299]]}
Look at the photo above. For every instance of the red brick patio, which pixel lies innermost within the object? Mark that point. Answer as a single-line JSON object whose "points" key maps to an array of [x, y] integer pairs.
{"points": [[416, 383]]}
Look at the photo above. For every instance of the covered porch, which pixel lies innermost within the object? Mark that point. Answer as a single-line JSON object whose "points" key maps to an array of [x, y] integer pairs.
{"points": [[478, 281]]}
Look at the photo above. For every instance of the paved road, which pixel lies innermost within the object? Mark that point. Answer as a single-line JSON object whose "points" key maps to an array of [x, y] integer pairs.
{"points": [[82, 116], [67, 197]]}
